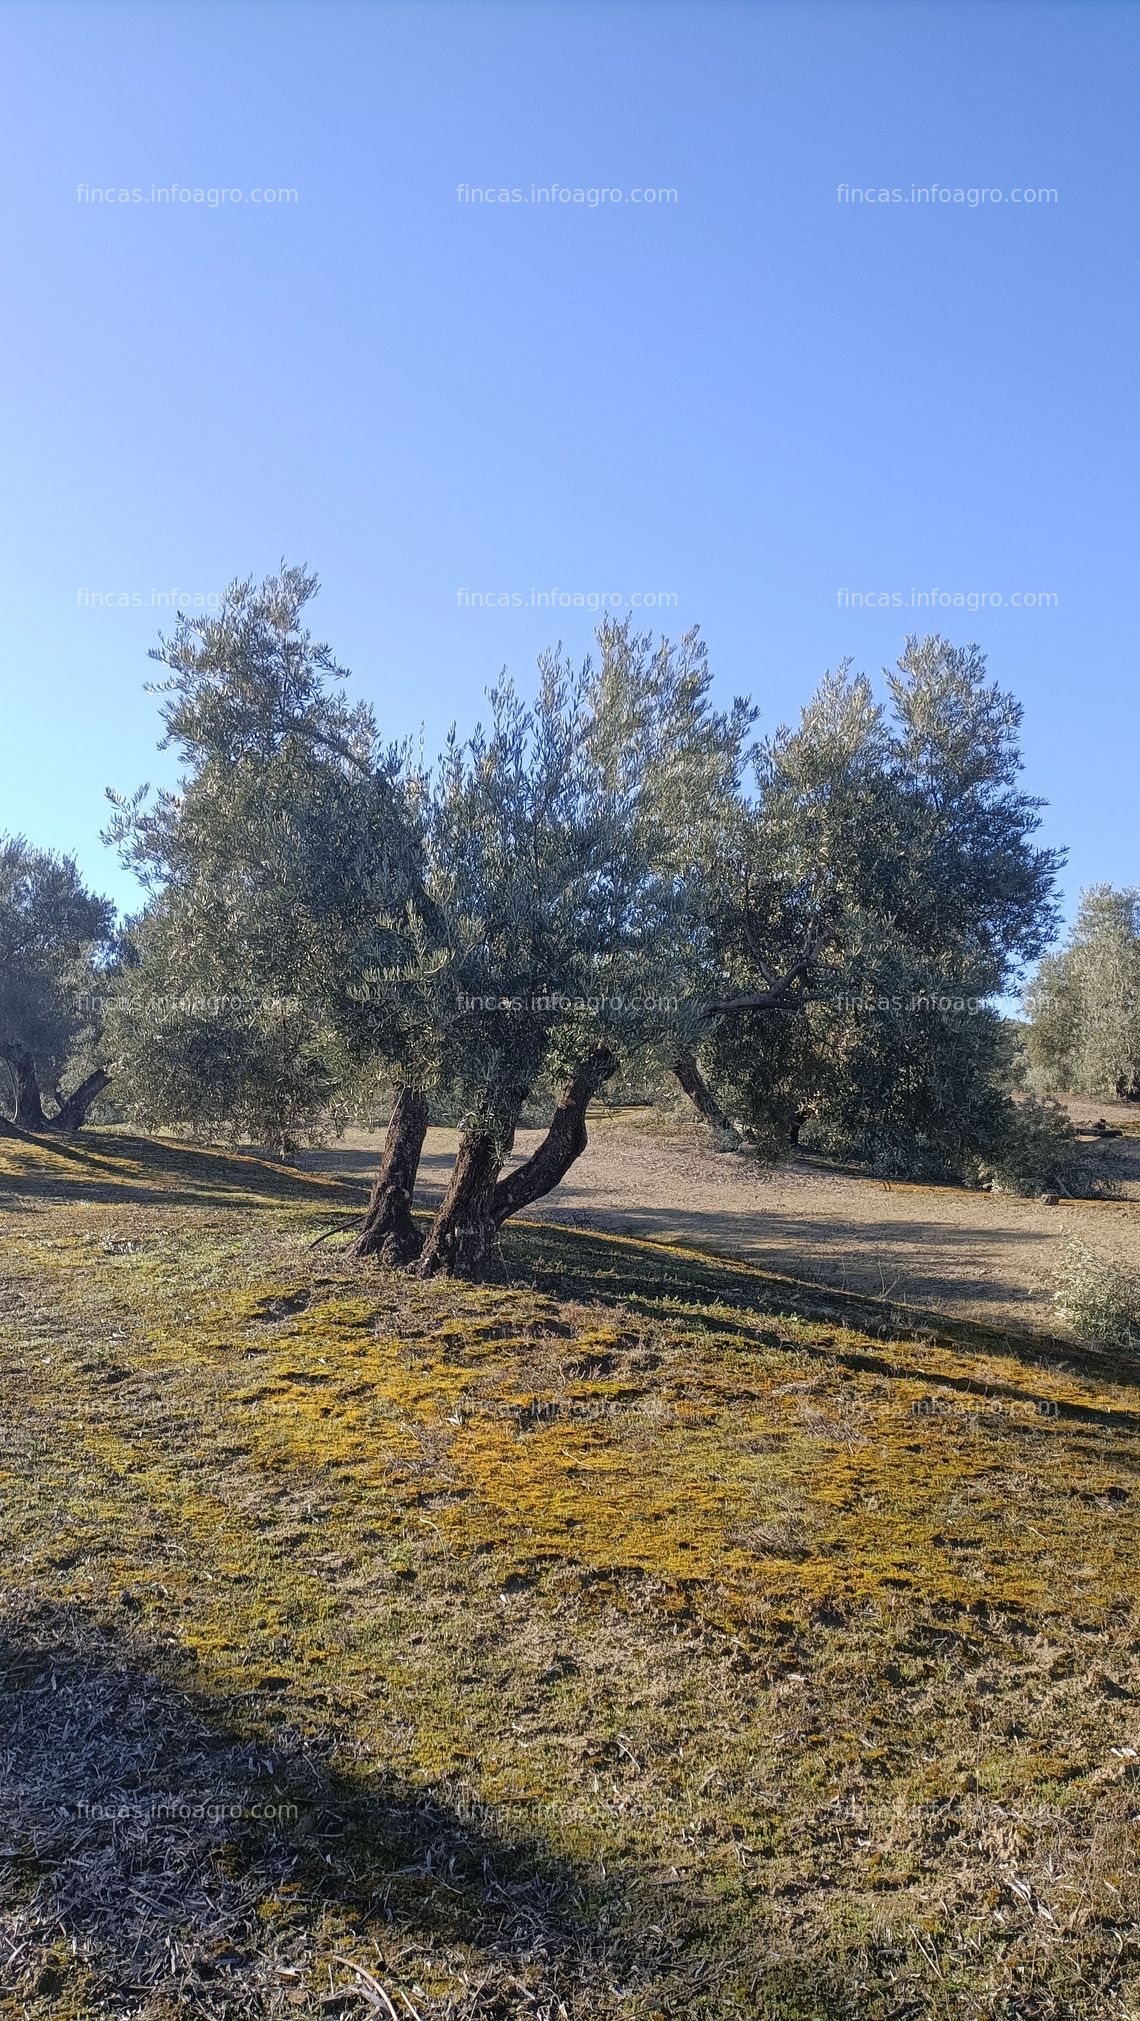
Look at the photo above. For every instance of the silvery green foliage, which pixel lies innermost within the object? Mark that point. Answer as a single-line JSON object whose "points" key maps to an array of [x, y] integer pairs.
{"points": [[204, 1040], [1084, 1002], [568, 878], [915, 817], [592, 867], [287, 828], [676, 765], [54, 936], [1100, 1300], [904, 829]]}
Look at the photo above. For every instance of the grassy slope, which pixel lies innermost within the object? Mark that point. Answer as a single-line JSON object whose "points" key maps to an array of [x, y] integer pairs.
{"points": [[607, 1644]]}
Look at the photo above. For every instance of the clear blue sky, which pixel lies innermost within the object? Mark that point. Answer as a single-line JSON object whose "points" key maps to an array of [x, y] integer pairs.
{"points": [[749, 399]]}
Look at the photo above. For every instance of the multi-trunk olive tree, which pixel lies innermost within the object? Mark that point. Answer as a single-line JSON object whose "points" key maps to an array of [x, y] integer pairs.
{"points": [[576, 859], [518, 961]]}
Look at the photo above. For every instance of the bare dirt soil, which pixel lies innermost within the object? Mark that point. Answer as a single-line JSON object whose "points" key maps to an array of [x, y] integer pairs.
{"points": [[981, 1256]]}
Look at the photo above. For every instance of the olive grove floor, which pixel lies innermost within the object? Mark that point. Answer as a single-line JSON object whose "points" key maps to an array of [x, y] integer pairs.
{"points": [[973, 1255]]}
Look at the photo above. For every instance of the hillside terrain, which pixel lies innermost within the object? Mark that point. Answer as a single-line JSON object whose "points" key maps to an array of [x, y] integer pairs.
{"points": [[606, 1642]]}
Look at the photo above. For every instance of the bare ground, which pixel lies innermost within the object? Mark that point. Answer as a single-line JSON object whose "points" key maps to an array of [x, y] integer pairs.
{"points": [[971, 1255]]}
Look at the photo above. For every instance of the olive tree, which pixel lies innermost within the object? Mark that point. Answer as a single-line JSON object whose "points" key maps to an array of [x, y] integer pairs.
{"points": [[286, 828], [55, 935], [576, 854], [905, 825], [1084, 1001], [519, 931]]}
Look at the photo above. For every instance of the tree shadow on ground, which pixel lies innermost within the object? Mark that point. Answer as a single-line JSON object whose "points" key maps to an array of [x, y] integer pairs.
{"points": [[102, 1169], [637, 1274], [180, 1857], [156, 1860], [843, 1259], [936, 1246]]}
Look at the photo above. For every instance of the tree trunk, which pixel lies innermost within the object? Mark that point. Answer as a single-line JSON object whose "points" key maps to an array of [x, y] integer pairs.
{"points": [[701, 1095], [7, 1124], [29, 1108], [565, 1140], [388, 1232], [73, 1112], [461, 1240]]}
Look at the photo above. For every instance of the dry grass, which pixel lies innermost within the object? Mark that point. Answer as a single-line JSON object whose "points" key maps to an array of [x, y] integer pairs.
{"points": [[594, 1644]]}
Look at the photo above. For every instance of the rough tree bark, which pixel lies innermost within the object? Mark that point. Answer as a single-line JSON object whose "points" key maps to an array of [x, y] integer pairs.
{"points": [[565, 1140], [8, 1128], [73, 1111], [29, 1108], [701, 1095], [477, 1202], [388, 1232], [461, 1239]]}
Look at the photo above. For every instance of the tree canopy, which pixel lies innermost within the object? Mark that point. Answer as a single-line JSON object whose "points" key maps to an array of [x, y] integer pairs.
{"points": [[1084, 1001], [609, 876]]}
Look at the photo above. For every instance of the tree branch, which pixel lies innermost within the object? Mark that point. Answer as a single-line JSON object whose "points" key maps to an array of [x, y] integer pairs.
{"points": [[565, 1140], [780, 988], [754, 947], [73, 1112], [693, 1083]]}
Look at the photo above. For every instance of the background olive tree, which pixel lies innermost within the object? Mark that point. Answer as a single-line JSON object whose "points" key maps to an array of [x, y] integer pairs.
{"points": [[904, 824], [1084, 1002], [55, 937]]}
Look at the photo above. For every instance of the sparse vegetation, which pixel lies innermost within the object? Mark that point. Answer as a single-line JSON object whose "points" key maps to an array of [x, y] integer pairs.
{"points": [[1099, 1299]]}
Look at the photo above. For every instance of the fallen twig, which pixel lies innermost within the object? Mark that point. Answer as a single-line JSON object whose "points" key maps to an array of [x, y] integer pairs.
{"points": [[375, 1989], [340, 1229]]}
